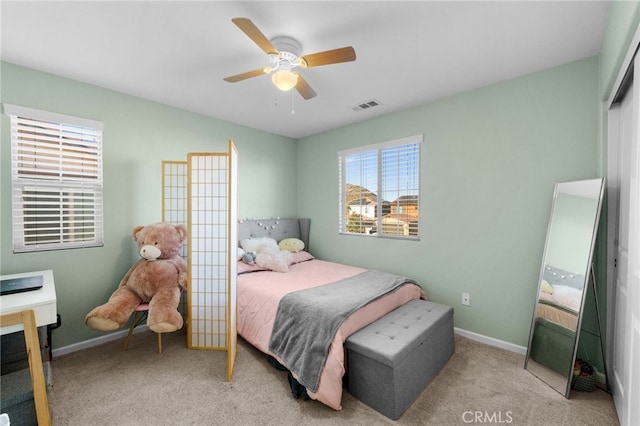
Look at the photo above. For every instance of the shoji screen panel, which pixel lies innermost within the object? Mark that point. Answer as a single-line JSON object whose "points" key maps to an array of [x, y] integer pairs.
{"points": [[174, 192], [208, 250], [212, 217], [174, 205]]}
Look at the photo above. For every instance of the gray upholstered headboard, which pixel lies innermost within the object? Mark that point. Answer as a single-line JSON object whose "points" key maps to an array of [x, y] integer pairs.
{"points": [[278, 229]]}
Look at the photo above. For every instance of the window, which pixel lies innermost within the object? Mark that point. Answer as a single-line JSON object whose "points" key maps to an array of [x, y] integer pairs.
{"points": [[56, 179], [380, 189]]}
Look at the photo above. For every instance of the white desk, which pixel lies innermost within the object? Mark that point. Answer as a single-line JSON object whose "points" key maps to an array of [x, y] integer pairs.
{"points": [[42, 301]]}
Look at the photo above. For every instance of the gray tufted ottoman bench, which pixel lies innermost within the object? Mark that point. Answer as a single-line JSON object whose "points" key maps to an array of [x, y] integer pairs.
{"points": [[392, 360]]}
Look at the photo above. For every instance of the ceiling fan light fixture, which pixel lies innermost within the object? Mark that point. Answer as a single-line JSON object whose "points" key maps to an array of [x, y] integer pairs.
{"points": [[284, 79], [284, 56]]}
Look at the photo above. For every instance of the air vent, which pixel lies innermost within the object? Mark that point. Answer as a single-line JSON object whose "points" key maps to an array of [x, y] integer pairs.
{"points": [[366, 105]]}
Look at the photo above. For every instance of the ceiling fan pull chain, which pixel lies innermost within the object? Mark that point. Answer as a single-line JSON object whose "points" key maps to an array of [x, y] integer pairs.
{"points": [[293, 111]]}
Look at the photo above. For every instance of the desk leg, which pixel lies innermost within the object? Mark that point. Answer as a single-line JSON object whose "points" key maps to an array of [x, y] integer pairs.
{"points": [[27, 317]]}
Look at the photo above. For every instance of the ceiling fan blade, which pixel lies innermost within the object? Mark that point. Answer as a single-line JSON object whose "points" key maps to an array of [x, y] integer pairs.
{"points": [[255, 34], [304, 89], [344, 54], [245, 75]]}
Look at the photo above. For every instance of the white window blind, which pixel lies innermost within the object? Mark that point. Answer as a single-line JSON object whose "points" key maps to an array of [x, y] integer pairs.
{"points": [[56, 171], [379, 187]]}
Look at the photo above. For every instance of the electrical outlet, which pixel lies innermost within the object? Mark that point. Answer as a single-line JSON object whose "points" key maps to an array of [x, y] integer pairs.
{"points": [[466, 299]]}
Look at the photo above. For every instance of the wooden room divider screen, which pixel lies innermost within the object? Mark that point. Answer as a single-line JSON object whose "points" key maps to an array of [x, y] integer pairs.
{"points": [[204, 191], [174, 207]]}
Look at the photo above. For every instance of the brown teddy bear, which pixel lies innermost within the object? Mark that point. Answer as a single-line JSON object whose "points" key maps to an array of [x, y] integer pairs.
{"points": [[158, 278]]}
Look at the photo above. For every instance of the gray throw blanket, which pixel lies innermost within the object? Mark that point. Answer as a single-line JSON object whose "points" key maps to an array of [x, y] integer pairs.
{"points": [[307, 320]]}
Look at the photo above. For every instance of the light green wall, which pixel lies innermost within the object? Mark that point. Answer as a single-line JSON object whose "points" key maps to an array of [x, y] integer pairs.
{"points": [[621, 25], [138, 135], [490, 159]]}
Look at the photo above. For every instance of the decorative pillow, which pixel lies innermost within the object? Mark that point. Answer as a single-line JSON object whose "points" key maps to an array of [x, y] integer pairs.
{"points": [[546, 287], [293, 245], [258, 244], [240, 253], [274, 259], [244, 268], [300, 256]]}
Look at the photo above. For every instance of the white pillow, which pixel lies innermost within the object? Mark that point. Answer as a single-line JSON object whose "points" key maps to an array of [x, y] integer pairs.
{"points": [[298, 257], [257, 244], [274, 259]]}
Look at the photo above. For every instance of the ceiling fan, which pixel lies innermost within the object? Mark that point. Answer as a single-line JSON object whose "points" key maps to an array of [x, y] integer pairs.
{"points": [[284, 58]]}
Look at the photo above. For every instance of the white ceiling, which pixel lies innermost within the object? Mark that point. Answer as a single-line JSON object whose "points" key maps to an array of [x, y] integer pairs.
{"points": [[408, 53]]}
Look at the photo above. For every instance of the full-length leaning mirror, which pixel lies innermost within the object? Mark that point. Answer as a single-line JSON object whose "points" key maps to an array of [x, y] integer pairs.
{"points": [[563, 282]]}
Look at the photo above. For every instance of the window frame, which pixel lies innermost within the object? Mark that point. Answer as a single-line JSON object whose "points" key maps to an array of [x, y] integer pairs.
{"points": [[58, 164], [378, 148]]}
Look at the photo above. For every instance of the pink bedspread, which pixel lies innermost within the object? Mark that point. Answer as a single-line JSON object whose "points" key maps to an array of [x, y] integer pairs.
{"points": [[259, 294]]}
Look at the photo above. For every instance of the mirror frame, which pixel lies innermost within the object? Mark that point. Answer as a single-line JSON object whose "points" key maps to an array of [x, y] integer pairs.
{"points": [[542, 372]]}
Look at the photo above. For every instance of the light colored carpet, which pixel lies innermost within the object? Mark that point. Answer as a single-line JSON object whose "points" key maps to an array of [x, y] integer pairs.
{"points": [[480, 385]]}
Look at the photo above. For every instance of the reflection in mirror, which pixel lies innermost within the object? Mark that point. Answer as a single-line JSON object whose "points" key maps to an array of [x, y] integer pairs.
{"points": [[563, 281]]}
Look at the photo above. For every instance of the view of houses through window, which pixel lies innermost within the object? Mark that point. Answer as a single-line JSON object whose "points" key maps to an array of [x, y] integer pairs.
{"points": [[379, 189]]}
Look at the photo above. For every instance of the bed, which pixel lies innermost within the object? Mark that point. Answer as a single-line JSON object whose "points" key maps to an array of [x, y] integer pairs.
{"points": [[560, 296], [264, 322]]}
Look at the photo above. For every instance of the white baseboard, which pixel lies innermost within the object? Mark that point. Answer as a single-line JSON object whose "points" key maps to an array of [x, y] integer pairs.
{"points": [[491, 341], [600, 377], [142, 328], [122, 334]]}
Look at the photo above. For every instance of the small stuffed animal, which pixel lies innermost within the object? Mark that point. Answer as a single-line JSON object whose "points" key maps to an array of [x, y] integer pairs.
{"points": [[158, 278], [249, 258]]}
